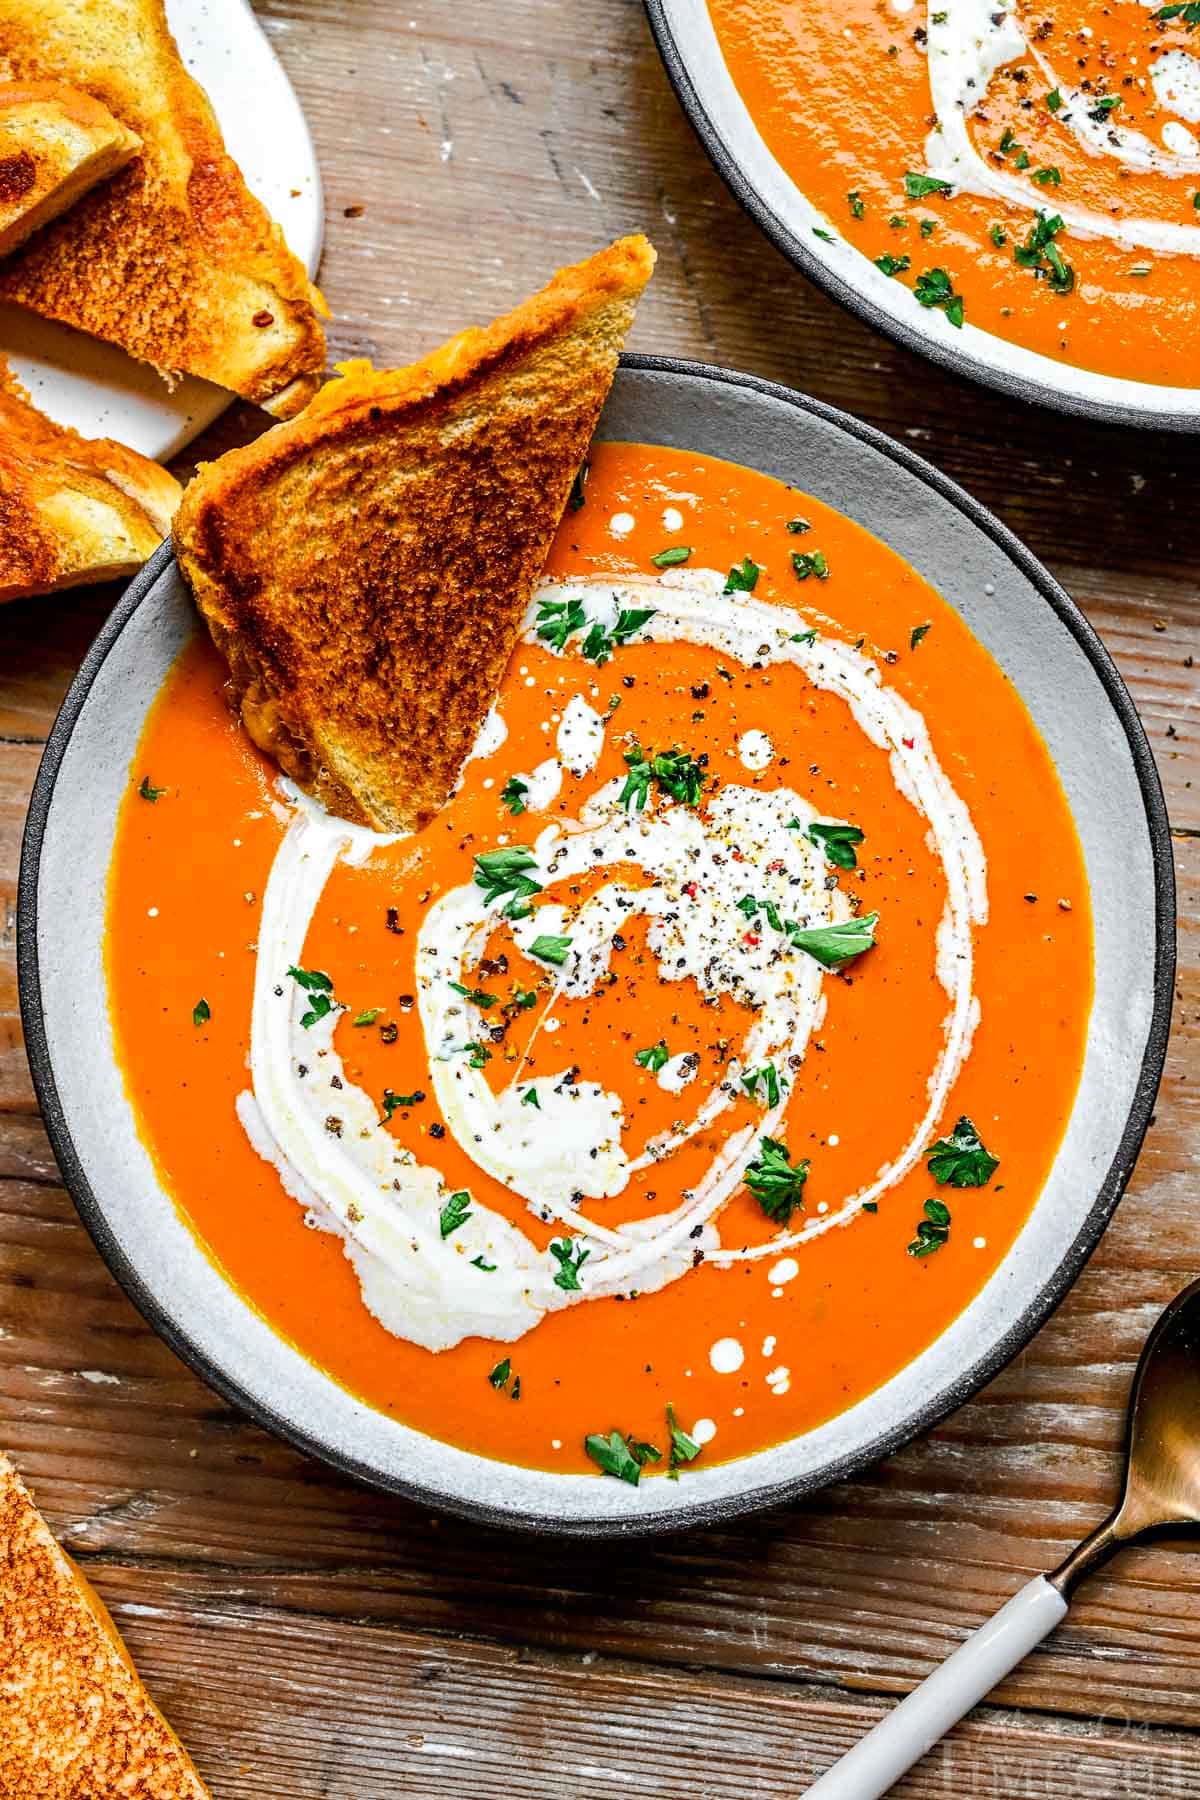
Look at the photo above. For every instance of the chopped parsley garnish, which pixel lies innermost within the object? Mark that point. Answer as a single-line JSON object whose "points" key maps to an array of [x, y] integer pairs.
{"points": [[1054, 100], [856, 203], [768, 1075], [558, 619], [998, 236], [961, 1160], [803, 637], [654, 1057], [505, 871], [530, 1098], [677, 774], [201, 1012], [500, 1374], [1048, 177], [456, 1210], [933, 1231], [826, 237], [620, 1456], [672, 556], [578, 495], [570, 1256], [550, 949], [393, 1102], [917, 186], [1104, 108], [1040, 253], [1008, 141], [1186, 11], [775, 1181], [893, 265], [915, 636], [476, 996], [798, 526], [148, 791], [935, 288], [319, 988], [367, 1016], [683, 1448], [481, 1262], [809, 562], [599, 644], [477, 1055], [833, 945], [927, 227], [512, 794], [837, 841], [742, 580]]}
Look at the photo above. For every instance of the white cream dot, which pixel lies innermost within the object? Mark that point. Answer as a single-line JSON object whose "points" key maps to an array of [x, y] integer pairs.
{"points": [[672, 519], [556, 1443], [739, 1412], [755, 750], [787, 1270], [152, 912], [981, 1243], [621, 524], [726, 1356], [551, 1024], [768, 1348], [833, 1140], [779, 1380], [704, 1431]]}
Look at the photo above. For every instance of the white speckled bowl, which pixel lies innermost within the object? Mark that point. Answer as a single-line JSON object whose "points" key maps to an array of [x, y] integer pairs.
{"points": [[1086, 717], [691, 53]]}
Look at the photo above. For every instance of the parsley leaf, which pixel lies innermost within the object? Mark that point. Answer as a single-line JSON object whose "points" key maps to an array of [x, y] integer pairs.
{"points": [[837, 841], [512, 794], [934, 289], [769, 1077], [743, 580], [550, 949], [477, 1055], [481, 1262], [476, 996], [318, 986], [933, 1231], [455, 1212], [500, 1374], [1042, 255], [557, 620], [684, 1449], [367, 1016], [620, 1456], [392, 1102], [201, 1012], [809, 562], [918, 632], [570, 1256], [529, 1098], [1186, 11], [505, 872], [677, 774], [776, 1182], [917, 187], [654, 1057], [148, 791], [961, 1160], [893, 265], [833, 945]]}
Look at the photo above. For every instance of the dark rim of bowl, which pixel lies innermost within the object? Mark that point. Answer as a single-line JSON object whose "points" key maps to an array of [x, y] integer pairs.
{"points": [[939, 1405], [949, 355]]}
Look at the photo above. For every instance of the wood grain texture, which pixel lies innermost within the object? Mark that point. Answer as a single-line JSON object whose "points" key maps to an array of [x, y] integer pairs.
{"points": [[312, 1639]]}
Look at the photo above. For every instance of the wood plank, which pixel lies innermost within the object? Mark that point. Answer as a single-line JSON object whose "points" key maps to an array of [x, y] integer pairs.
{"points": [[467, 1720]]}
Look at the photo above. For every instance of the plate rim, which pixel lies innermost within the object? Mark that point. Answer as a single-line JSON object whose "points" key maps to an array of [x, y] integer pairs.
{"points": [[702, 1512], [947, 356]]}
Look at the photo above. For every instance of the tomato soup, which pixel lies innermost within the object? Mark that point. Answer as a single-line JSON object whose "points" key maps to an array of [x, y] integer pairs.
{"points": [[695, 1067], [1033, 169]]}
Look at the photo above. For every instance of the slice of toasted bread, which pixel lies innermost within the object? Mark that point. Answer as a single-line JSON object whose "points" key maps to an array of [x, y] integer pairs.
{"points": [[55, 144], [75, 1721], [173, 259], [72, 509], [365, 568]]}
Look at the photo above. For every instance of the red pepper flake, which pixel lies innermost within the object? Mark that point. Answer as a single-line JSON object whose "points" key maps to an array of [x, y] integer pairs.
{"points": [[909, 743], [736, 856], [752, 938], [689, 888], [776, 867]]}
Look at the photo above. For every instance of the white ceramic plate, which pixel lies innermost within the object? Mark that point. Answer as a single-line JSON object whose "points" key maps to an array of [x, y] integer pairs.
{"points": [[97, 388], [1058, 665], [691, 53]]}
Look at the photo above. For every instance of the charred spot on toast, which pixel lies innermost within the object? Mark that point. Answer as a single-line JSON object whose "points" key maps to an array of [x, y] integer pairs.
{"points": [[18, 173]]}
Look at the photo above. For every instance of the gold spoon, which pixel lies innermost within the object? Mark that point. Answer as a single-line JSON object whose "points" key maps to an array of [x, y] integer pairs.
{"points": [[1161, 1493]]}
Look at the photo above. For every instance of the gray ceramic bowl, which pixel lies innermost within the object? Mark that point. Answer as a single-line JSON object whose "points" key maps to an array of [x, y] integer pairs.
{"points": [[1086, 717], [692, 57]]}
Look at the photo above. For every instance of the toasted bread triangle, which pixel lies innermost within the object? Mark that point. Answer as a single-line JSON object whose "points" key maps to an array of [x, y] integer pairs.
{"points": [[72, 509], [74, 1718], [55, 144], [365, 568], [173, 258]]}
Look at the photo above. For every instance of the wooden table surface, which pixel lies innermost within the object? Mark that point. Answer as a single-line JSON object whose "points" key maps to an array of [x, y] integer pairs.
{"points": [[308, 1638]]}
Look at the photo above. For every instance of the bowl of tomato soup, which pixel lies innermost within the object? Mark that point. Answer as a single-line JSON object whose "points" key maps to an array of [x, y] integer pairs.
{"points": [[1013, 191], [729, 1079]]}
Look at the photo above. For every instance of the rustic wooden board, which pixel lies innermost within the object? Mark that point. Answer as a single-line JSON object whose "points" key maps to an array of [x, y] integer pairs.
{"points": [[312, 1639]]}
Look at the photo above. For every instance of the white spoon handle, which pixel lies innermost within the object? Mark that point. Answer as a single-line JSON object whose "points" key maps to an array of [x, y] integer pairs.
{"points": [[913, 1727]]}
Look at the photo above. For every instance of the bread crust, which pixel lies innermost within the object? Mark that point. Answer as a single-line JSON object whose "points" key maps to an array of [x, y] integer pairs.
{"points": [[56, 142], [74, 1717], [173, 259], [365, 569], [72, 509]]}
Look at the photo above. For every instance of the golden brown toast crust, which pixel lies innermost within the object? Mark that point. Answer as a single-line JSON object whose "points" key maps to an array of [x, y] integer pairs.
{"points": [[173, 258], [72, 509], [55, 143], [75, 1721], [365, 568]]}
